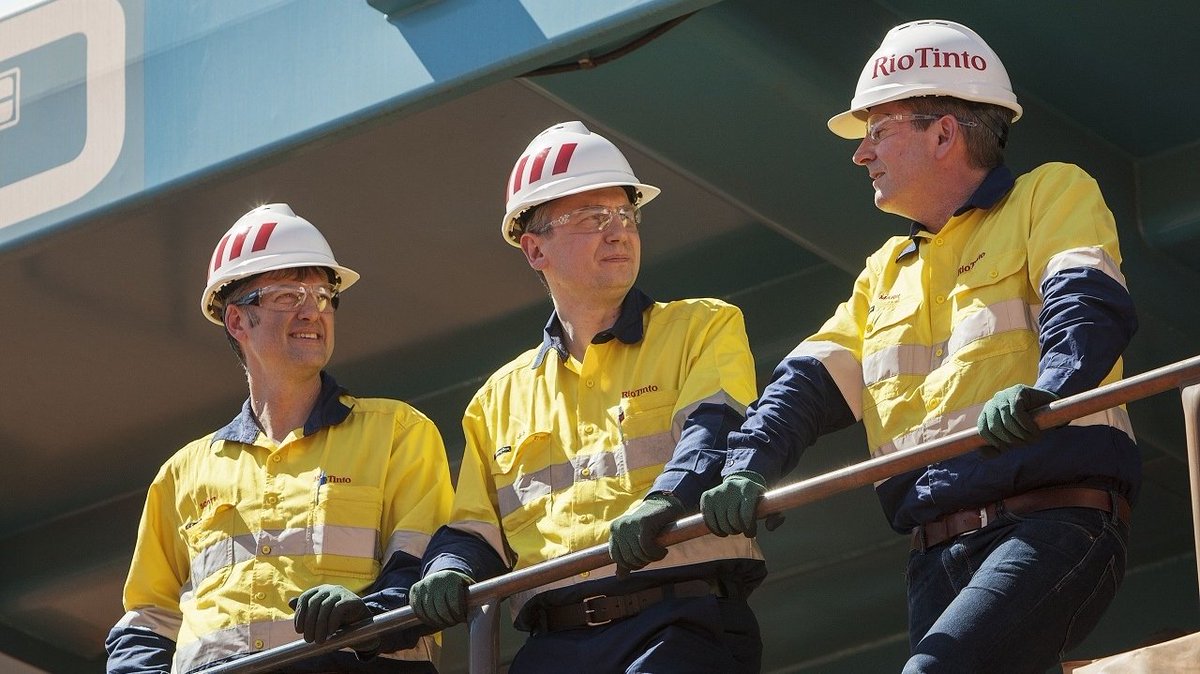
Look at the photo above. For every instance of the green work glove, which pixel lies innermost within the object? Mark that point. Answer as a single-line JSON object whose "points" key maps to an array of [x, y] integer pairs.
{"points": [[324, 609], [1007, 419], [728, 508], [440, 599], [631, 542]]}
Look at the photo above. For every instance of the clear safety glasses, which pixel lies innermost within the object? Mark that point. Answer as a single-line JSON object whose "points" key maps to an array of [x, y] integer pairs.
{"points": [[879, 123], [593, 219], [291, 296]]}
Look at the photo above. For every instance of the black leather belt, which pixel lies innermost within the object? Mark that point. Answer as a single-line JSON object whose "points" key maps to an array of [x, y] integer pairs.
{"points": [[965, 521], [603, 609]]}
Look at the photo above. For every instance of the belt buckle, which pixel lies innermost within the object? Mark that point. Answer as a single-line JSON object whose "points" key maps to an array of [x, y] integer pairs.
{"points": [[983, 522], [588, 611]]}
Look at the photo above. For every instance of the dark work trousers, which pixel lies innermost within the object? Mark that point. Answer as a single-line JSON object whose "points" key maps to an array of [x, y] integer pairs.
{"points": [[691, 634]]}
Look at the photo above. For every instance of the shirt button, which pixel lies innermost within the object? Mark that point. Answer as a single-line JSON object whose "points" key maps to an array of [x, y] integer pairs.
{"points": [[940, 299], [993, 274], [870, 327], [586, 518], [260, 595], [938, 353], [272, 499], [589, 429], [938, 241], [276, 458], [585, 574], [258, 643], [266, 549], [585, 472], [591, 383]]}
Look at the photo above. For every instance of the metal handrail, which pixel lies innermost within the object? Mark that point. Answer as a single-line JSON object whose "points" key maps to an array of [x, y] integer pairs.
{"points": [[1183, 375]]}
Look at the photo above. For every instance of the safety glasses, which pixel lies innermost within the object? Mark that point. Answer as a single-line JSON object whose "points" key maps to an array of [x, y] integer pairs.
{"points": [[593, 219], [879, 123], [291, 296]]}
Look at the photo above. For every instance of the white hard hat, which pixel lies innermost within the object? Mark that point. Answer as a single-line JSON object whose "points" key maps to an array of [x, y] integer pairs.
{"points": [[265, 239], [930, 57], [563, 160]]}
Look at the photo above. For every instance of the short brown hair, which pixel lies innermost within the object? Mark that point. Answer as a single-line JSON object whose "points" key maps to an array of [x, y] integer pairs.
{"points": [[985, 140]]}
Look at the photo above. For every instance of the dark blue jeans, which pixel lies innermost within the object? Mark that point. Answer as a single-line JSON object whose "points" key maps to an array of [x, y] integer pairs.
{"points": [[1016, 595], [694, 634]]}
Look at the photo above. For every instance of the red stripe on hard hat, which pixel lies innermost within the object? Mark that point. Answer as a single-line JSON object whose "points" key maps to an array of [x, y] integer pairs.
{"points": [[535, 171], [518, 173], [564, 158], [217, 256], [264, 235], [236, 251]]}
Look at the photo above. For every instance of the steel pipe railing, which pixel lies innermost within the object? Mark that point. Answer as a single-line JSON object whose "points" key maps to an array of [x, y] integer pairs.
{"points": [[1178, 375]]}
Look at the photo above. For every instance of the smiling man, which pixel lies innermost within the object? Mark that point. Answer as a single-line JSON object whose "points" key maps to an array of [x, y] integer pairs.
{"points": [[310, 499], [604, 433], [1005, 295]]}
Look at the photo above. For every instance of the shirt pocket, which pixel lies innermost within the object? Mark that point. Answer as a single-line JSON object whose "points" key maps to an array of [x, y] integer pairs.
{"points": [[343, 531], [211, 544], [524, 492], [892, 321], [992, 313], [648, 438]]}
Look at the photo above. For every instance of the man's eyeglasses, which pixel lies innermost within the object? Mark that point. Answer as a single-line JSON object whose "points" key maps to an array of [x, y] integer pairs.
{"points": [[593, 219], [291, 296], [877, 124]]}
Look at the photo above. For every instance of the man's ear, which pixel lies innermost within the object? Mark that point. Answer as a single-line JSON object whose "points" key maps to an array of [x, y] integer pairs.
{"points": [[531, 245], [948, 131], [237, 322]]}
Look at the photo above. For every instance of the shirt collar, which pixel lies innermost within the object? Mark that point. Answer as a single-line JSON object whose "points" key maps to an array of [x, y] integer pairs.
{"points": [[328, 410], [997, 183], [628, 328]]}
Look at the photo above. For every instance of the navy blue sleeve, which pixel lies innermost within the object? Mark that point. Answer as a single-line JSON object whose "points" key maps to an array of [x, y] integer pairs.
{"points": [[463, 552], [801, 403], [390, 592], [138, 650], [1087, 320], [699, 454]]}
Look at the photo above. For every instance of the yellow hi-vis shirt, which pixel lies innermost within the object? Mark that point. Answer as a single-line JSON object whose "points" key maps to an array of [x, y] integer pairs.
{"points": [[1022, 287], [232, 530], [927, 342], [557, 448]]}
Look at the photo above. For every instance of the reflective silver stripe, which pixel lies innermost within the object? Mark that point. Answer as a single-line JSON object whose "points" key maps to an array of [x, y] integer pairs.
{"points": [[893, 361], [919, 360], [329, 540], [1004, 316], [411, 542], [158, 620], [696, 551], [361, 542], [241, 640], [842, 366], [953, 422], [937, 427], [718, 398], [490, 533], [1092, 257], [649, 450], [1117, 417]]}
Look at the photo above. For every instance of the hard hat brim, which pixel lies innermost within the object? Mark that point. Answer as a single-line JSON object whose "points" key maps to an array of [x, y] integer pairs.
{"points": [[347, 275]]}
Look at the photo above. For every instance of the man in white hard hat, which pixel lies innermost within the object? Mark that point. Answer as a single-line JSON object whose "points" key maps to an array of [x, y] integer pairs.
{"points": [[606, 432], [309, 499], [1006, 295]]}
